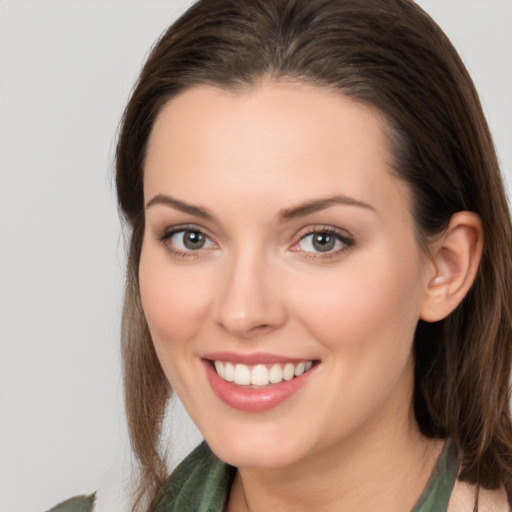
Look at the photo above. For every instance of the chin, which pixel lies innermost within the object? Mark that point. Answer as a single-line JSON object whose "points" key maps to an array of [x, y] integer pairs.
{"points": [[249, 451]]}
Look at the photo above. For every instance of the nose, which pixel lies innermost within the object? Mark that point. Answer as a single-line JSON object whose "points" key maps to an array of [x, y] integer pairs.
{"points": [[250, 302]]}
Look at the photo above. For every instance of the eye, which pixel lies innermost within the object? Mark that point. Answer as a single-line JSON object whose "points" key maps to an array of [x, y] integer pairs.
{"points": [[323, 241], [186, 240]]}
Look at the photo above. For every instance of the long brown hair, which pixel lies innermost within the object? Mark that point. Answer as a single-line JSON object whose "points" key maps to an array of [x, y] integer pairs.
{"points": [[391, 55]]}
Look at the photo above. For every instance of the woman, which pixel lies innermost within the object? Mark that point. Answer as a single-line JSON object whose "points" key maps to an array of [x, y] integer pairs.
{"points": [[319, 263]]}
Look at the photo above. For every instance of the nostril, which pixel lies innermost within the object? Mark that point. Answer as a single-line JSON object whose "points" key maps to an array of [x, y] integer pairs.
{"points": [[243, 329]]}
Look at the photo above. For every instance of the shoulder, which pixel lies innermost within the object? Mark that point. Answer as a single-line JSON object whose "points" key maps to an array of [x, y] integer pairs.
{"points": [[76, 504], [464, 494]]}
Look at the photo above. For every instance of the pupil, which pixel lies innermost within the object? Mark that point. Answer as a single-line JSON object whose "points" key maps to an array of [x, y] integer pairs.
{"points": [[323, 242], [193, 240]]}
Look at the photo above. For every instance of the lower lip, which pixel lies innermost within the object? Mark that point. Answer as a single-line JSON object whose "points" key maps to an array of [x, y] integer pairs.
{"points": [[253, 399]]}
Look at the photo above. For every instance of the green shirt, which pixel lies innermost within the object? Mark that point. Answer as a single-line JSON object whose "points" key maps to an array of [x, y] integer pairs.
{"points": [[201, 483]]}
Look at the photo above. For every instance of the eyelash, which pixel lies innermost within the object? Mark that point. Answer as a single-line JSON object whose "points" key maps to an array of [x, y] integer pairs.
{"points": [[167, 235], [342, 237]]}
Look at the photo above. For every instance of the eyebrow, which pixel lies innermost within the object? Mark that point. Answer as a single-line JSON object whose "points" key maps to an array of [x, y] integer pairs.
{"points": [[197, 211], [316, 205], [301, 210]]}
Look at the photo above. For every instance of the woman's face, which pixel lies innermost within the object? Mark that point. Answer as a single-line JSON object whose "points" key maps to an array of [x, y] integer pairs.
{"points": [[280, 249]]}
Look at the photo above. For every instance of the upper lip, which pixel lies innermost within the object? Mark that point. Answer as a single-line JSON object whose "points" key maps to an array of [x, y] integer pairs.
{"points": [[253, 359]]}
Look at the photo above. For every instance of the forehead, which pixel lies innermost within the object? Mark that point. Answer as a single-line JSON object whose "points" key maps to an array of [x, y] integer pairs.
{"points": [[286, 138]]}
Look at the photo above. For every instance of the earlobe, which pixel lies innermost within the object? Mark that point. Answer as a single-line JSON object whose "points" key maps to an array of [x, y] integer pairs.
{"points": [[455, 257]]}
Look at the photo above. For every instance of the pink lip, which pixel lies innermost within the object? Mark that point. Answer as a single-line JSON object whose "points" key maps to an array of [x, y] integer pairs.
{"points": [[251, 359], [250, 399]]}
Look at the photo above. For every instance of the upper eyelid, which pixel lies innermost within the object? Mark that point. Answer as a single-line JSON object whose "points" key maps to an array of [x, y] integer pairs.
{"points": [[172, 230], [323, 228], [346, 241]]}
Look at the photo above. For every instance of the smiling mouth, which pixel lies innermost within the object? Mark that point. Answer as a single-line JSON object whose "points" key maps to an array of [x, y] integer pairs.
{"points": [[260, 375]]}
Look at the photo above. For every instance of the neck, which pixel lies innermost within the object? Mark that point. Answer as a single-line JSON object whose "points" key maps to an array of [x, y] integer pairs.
{"points": [[385, 470]]}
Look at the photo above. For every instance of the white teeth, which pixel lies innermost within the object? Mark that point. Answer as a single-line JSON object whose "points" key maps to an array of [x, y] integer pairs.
{"points": [[242, 375], [299, 369], [230, 372], [219, 366], [260, 374], [289, 371], [276, 373]]}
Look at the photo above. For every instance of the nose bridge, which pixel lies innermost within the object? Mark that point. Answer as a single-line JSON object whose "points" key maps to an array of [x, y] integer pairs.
{"points": [[249, 301]]}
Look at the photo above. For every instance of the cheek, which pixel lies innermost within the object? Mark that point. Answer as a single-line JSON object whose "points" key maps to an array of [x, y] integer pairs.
{"points": [[365, 320], [173, 300], [365, 309]]}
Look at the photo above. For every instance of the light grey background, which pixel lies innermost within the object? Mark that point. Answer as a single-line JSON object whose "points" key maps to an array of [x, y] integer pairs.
{"points": [[66, 70]]}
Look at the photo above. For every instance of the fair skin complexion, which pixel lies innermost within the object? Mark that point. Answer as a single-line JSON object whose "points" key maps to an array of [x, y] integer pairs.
{"points": [[274, 225]]}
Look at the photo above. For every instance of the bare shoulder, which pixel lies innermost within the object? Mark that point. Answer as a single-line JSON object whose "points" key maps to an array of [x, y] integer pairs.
{"points": [[463, 499]]}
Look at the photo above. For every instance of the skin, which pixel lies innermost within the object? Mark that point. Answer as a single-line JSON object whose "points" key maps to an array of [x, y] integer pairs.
{"points": [[347, 440]]}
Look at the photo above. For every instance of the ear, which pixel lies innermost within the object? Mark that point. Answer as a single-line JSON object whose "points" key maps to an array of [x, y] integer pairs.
{"points": [[455, 257]]}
